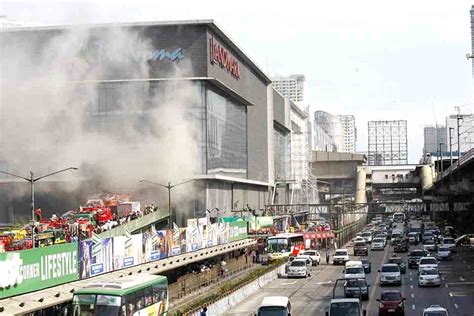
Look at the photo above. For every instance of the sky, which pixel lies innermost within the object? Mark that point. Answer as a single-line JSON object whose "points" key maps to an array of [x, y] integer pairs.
{"points": [[377, 60]]}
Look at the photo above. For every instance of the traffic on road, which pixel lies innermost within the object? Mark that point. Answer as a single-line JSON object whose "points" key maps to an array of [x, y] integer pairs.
{"points": [[399, 276]]}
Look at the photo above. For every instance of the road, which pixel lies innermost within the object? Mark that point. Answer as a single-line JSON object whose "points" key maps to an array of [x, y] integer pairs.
{"points": [[311, 296]]}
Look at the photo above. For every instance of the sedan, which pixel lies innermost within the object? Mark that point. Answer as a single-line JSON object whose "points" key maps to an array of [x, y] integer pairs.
{"points": [[391, 303], [444, 253], [429, 245], [429, 277]]}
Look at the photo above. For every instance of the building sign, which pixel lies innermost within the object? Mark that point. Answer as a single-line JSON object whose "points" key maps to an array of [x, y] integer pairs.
{"points": [[172, 55], [222, 57], [34, 269]]}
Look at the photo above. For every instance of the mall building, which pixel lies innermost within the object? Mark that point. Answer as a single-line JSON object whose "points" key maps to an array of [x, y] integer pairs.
{"points": [[243, 123]]}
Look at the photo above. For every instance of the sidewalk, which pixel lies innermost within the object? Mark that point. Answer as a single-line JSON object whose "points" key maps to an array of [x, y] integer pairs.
{"points": [[175, 304]]}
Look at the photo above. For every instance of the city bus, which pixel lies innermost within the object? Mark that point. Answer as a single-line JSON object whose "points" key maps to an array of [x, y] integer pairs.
{"points": [[282, 245], [399, 217], [128, 296]]}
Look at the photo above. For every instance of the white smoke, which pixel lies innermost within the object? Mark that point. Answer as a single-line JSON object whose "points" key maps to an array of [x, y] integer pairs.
{"points": [[53, 104]]}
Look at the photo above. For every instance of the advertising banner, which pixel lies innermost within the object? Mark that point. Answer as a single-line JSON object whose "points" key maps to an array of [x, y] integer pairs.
{"points": [[259, 222], [91, 263], [156, 245], [223, 233], [128, 252], [193, 236], [34, 269], [238, 230]]}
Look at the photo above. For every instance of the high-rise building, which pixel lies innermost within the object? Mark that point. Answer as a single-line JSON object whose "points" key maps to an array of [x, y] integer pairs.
{"points": [[433, 137], [290, 87], [388, 143], [341, 128]]}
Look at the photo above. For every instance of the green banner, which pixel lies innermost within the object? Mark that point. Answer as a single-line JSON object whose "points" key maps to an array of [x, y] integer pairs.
{"points": [[35, 269], [238, 230]]}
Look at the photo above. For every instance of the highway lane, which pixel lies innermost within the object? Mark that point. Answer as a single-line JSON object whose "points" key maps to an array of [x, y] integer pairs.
{"points": [[311, 296]]}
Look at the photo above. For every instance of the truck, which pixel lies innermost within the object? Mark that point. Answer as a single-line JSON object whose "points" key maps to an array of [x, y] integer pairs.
{"points": [[345, 306], [127, 208]]}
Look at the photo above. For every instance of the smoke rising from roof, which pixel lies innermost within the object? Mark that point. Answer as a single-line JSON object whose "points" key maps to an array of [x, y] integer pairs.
{"points": [[57, 111]]}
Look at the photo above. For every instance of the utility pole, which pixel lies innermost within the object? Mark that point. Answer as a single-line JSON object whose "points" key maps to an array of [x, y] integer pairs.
{"points": [[451, 146], [441, 157]]}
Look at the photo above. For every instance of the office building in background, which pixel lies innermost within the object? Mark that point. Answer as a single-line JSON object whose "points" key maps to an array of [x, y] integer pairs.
{"points": [[290, 87], [435, 137], [340, 128], [388, 143]]}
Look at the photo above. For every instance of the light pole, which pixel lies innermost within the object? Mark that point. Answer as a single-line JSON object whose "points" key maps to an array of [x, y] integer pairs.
{"points": [[169, 187], [32, 181], [441, 157], [451, 146]]}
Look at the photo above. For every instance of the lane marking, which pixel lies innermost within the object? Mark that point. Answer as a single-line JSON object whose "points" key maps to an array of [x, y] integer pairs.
{"points": [[289, 283], [411, 286], [413, 307], [446, 285], [411, 279], [462, 279], [412, 295], [456, 305]]}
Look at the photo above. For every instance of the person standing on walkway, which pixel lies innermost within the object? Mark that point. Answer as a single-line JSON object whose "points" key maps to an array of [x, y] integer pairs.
{"points": [[203, 312], [328, 255]]}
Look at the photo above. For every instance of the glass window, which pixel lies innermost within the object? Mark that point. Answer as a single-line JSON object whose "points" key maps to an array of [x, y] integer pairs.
{"points": [[272, 311], [391, 296], [226, 136], [282, 147], [108, 305]]}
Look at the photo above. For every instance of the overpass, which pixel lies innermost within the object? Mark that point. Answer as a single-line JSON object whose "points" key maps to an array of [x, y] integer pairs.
{"points": [[30, 302]]}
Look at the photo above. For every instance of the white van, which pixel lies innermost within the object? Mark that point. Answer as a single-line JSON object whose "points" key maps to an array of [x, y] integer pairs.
{"points": [[354, 270], [274, 306]]}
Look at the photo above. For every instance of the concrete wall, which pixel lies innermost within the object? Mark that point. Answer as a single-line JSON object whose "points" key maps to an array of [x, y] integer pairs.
{"points": [[279, 108]]}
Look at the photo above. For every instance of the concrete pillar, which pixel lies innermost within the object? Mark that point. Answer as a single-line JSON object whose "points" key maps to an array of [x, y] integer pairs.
{"points": [[426, 178], [361, 196]]}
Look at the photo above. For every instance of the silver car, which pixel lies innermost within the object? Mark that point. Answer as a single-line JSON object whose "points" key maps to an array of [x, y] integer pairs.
{"points": [[298, 268], [390, 274], [444, 253]]}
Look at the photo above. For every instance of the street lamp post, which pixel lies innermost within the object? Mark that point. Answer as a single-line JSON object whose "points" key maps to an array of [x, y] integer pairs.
{"points": [[169, 187], [32, 181], [451, 146], [441, 157]]}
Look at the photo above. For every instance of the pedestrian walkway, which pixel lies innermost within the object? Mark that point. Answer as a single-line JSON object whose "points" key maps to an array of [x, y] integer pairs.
{"points": [[203, 290]]}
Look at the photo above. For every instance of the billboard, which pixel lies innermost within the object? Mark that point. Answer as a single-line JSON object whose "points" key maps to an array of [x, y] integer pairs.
{"points": [[34, 269], [156, 245], [94, 264], [237, 230], [128, 252], [193, 236]]}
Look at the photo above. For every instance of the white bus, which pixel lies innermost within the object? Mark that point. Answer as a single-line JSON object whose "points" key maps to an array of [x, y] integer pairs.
{"points": [[282, 245]]}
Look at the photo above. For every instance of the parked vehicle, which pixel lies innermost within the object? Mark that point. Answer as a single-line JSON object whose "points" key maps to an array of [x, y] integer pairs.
{"points": [[391, 303], [390, 274], [429, 277], [361, 248]]}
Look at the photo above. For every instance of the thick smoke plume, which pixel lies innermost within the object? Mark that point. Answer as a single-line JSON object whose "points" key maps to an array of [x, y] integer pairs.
{"points": [[56, 111]]}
